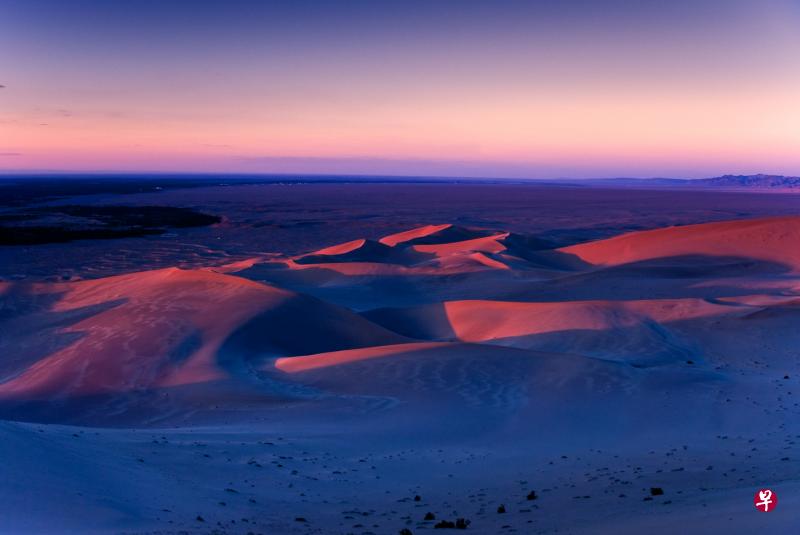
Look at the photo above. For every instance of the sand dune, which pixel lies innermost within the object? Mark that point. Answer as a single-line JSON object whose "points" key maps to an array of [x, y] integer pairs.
{"points": [[162, 328], [144, 297], [172, 327], [415, 248], [434, 250], [482, 377], [480, 321], [434, 234], [770, 240], [447, 240], [361, 251], [640, 332]]}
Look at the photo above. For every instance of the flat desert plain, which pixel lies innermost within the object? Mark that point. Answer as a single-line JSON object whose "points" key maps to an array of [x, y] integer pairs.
{"points": [[391, 358]]}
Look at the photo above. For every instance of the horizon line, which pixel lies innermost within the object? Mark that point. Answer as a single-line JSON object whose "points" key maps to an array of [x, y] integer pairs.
{"points": [[65, 173]]}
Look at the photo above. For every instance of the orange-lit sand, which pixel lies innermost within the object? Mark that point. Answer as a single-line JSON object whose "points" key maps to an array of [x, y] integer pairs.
{"points": [[324, 360], [413, 234], [770, 240]]}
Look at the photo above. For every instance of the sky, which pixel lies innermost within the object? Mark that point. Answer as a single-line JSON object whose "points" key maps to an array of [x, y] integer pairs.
{"points": [[538, 89]]}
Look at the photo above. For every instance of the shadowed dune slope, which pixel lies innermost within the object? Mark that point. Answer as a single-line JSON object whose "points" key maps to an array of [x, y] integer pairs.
{"points": [[483, 376], [463, 383], [471, 376]]}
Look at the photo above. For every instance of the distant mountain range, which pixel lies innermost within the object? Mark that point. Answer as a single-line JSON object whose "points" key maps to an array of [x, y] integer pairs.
{"points": [[760, 181], [751, 181]]}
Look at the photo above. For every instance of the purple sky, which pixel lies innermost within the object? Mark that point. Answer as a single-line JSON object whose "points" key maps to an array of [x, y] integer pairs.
{"points": [[518, 89]]}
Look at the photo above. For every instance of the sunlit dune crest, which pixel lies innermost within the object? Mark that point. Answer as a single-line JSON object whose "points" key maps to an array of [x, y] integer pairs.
{"points": [[341, 249], [771, 239], [477, 321], [488, 244], [413, 234], [324, 360]]}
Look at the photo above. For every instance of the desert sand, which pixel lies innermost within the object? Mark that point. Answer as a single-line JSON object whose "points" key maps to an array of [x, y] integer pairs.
{"points": [[460, 371]]}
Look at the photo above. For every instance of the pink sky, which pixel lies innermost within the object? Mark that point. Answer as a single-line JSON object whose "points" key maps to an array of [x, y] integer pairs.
{"points": [[662, 91]]}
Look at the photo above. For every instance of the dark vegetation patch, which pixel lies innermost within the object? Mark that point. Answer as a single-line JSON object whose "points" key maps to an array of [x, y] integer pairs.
{"points": [[57, 224]]}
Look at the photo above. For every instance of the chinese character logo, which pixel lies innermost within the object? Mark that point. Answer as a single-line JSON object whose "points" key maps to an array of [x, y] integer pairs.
{"points": [[765, 500]]}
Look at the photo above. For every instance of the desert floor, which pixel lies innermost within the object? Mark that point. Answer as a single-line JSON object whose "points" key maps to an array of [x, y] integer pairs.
{"points": [[347, 358]]}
